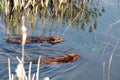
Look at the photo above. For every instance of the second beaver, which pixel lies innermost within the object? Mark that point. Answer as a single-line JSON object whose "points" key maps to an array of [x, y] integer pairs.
{"points": [[36, 39], [67, 58]]}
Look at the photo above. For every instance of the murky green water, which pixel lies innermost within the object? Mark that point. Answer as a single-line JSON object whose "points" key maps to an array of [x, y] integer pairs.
{"points": [[95, 48]]}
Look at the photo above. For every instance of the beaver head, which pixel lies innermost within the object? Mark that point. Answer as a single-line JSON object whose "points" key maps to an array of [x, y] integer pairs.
{"points": [[72, 56], [55, 39]]}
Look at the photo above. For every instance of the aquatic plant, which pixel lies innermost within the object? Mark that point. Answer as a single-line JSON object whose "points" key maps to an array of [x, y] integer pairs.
{"points": [[21, 74], [83, 13], [20, 71]]}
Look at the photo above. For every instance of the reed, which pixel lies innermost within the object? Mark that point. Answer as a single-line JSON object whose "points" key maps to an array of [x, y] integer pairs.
{"points": [[103, 70], [9, 68], [110, 59], [20, 70], [83, 13]]}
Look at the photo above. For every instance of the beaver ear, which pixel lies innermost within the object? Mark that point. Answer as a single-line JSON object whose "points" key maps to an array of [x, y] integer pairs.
{"points": [[51, 37]]}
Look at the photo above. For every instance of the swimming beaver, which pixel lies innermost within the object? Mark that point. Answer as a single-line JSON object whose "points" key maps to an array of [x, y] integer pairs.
{"points": [[67, 58], [36, 39]]}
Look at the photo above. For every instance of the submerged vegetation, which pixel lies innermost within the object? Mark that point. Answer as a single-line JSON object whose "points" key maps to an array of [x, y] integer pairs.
{"points": [[83, 13]]}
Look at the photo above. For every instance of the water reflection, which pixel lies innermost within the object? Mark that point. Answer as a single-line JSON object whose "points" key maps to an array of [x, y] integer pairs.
{"points": [[48, 20], [83, 13]]}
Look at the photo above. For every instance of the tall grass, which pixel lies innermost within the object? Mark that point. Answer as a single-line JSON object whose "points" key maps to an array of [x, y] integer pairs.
{"points": [[21, 74], [110, 60], [20, 70], [83, 13], [103, 70]]}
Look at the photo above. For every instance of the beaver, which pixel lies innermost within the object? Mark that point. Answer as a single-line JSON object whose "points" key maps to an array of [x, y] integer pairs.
{"points": [[67, 58], [36, 39]]}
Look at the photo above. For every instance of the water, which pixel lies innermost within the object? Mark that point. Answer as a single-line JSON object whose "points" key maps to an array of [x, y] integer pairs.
{"points": [[95, 49]]}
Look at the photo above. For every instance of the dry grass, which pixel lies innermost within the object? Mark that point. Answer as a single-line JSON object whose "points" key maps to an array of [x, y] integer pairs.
{"points": [[20, 70]]}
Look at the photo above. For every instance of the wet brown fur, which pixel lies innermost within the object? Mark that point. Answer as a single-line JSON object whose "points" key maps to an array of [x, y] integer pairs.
{"points": [[40, 39], [67, 58]]}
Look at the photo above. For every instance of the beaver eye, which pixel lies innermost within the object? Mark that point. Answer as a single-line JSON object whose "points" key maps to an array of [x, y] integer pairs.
{"points": [[53, 39]]}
